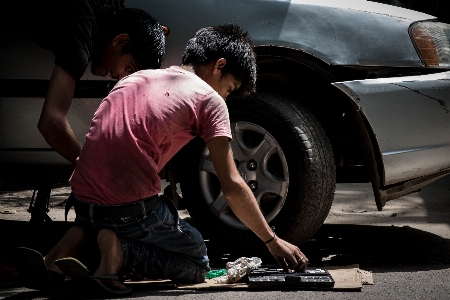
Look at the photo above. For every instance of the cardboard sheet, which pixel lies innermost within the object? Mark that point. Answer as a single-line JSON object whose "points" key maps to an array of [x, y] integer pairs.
{"points": [[345, 277]]}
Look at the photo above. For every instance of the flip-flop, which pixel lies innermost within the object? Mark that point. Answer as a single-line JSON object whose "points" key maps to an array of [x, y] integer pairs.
{"points": [[33, 273], [79, 272]]}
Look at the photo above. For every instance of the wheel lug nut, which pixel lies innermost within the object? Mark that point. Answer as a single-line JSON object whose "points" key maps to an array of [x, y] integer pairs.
{"points": [[251, 165], [253, 185]]}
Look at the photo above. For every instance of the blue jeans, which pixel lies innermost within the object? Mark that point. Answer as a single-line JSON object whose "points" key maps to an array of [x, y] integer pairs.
{"points": [[157, 245]]}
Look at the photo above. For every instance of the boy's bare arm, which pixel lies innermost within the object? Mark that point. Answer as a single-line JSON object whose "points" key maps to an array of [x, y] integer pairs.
{"points": [[53, 123], [241, 200]]}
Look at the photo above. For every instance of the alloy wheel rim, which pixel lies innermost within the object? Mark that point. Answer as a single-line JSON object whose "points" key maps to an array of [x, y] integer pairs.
{"points": [[260, 162]]}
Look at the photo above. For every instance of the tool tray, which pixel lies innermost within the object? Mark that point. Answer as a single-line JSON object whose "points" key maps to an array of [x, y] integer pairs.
{"points": [[311, 278]]}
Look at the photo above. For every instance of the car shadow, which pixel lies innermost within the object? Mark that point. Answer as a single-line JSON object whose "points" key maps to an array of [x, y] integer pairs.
{"points": [[372, 247], [338, 245], [378, 246], [333, 244]]}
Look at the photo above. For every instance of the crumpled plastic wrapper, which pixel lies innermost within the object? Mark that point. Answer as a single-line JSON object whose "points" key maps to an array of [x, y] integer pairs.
{"points": [[239, 268]]}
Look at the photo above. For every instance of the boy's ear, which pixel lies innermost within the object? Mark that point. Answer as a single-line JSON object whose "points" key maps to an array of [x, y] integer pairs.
{"points": [[121, 39], [220, 63]]}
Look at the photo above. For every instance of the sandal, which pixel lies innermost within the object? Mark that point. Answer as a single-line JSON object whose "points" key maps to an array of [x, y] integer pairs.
{"points": [[79, 272], [33, 273]]}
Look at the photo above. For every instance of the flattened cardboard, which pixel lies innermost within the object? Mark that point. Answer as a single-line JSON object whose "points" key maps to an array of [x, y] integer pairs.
{"points": [[163, 284], [345, 277], [366, 277]]}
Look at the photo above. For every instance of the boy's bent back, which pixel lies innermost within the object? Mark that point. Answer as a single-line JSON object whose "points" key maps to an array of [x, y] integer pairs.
{"points": [[145, 120]]}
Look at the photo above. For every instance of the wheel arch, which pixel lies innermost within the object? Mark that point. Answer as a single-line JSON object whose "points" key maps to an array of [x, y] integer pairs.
{"points": [[308, 80]]}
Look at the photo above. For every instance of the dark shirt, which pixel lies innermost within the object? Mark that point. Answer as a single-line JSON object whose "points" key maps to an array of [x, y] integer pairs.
{"points": [[68, 28]]}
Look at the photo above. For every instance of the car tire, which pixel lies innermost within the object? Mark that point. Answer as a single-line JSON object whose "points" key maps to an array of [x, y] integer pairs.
{"points": [[284, 155]]}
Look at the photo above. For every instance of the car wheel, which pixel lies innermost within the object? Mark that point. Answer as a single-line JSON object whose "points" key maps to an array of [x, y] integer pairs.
{"points": [[285, 157]]}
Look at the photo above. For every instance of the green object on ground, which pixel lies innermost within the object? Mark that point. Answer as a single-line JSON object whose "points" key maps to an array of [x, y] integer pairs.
{"points": [[215, 273]]}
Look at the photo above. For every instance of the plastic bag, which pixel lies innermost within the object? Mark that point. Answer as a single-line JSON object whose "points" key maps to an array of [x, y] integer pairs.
{"points": [[239, 268], [215, 273]]}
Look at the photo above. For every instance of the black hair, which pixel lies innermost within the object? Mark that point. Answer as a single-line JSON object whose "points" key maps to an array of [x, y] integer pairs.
{"points": [[147, 41], [229, 42]]}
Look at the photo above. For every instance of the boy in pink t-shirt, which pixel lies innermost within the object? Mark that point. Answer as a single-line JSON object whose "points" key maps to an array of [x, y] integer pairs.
{"points": [[145, 120]]}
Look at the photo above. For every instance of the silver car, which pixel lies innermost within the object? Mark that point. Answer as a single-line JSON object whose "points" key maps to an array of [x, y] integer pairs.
{"points": [[348, 91]]}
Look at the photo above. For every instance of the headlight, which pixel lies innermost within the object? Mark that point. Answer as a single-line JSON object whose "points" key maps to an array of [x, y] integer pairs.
{"points": [[432, 40]]}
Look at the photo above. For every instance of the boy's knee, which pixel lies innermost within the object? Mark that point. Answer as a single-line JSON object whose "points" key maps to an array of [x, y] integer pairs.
{"points": [[199, 275], [202, 276], [76, 234], [190, 277]]}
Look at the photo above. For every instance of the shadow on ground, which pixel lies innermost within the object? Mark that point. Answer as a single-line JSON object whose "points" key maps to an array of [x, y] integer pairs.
{"points": [[378, 246], [368, 246]]}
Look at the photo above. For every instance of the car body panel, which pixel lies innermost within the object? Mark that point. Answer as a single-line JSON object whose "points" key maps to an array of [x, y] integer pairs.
{"points": [[410, 119], [22, 115], [20, 140], [20, 58], [320, 30]]}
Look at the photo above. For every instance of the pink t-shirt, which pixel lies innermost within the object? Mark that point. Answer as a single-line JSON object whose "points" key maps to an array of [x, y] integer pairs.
{"points": [[144, 121]]}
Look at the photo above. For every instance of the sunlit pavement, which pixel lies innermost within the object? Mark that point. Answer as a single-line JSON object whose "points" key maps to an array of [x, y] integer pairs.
{"points": [[427, 210]]}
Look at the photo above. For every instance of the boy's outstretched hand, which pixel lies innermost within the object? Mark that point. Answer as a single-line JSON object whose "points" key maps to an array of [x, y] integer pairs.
{"points": [[288, 256]]}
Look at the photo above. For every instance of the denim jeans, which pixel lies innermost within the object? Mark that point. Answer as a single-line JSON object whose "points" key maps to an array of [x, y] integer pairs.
{"points": [[158, 245]]}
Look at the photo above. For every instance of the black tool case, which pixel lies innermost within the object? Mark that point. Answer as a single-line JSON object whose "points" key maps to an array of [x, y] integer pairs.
{"points": [[311, 278]]}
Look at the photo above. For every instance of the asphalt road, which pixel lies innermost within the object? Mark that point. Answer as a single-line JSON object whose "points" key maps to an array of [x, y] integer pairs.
{"points": [[406, 246]]}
